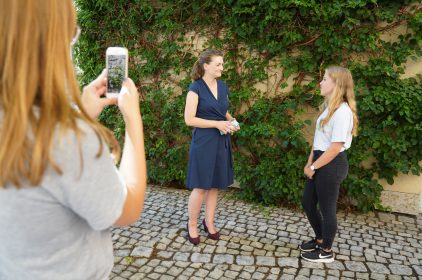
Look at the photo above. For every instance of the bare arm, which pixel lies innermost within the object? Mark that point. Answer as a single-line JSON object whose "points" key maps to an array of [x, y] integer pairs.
{"points": [[133, 163], [306, 170], [92, 93], [228, 116], [191, 119], [325, 158], [310, 158], [328, 155]]}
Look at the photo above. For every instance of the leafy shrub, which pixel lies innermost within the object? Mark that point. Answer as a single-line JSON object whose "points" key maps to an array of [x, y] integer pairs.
{"points": [[299, 36]]}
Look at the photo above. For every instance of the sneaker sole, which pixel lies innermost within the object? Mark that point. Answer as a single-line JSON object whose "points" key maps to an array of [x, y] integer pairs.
{"points": [[306, 250], [328, 260]]}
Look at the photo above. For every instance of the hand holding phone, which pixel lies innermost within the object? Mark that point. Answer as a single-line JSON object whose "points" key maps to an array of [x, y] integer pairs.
{"points": [[234, 126], [91, 96], [234, 123], [128, 101], [117, 69]]}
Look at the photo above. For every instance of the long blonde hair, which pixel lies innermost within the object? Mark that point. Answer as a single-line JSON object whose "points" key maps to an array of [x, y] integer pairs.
{"points": [[36, 72], [342, 92]]}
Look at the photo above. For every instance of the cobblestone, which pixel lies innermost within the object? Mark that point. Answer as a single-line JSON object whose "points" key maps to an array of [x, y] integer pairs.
{"points": [[223, 259], [400, 269], [377, 268], [201, 258], [266, 261], [256, 246], [244, 260], [216, 274], [293, 262], [141, 252], [418, 269], [355, 266]]}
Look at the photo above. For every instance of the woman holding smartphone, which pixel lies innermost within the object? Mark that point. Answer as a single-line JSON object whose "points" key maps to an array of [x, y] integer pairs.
{"points": [[60, 191], [327, 164], [210, 160]]}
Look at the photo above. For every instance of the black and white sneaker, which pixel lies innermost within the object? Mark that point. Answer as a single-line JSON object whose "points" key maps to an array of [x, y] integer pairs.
{"points": [[309, 245], [318, 255]]}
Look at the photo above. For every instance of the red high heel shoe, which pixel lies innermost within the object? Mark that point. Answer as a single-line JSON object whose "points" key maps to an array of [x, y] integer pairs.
{"points": [[213, 236], [193, 240]]}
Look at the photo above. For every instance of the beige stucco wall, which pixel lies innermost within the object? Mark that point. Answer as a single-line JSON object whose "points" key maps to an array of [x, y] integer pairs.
{"points": [[413, 68], [407, 183], [405, 195]]}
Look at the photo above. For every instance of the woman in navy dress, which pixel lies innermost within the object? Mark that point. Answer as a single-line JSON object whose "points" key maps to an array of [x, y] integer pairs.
{"points": [[210, 160]]}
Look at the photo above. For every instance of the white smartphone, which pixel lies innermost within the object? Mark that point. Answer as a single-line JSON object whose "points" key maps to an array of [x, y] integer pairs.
{"points": [[117, 68]]}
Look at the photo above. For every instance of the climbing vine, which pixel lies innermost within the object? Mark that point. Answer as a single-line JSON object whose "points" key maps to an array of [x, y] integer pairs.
{"points": [[285, 46]]}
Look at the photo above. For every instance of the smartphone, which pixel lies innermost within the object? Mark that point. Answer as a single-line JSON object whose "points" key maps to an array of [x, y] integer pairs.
{"points": [[117, 66]]}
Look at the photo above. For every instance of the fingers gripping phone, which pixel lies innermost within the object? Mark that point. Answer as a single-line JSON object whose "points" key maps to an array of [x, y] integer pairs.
{"points": [[117, 68]]}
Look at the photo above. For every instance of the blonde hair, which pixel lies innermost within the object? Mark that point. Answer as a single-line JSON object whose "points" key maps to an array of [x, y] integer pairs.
{"points": [[205, 57], [36, 72], [342, 92]]}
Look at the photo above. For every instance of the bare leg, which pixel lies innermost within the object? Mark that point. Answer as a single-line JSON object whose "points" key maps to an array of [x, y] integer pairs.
{"points": [[194, 208], [211, 204]]}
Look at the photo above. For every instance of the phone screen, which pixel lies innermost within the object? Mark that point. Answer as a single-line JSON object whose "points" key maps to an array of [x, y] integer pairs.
{"points": [[116, 68]]}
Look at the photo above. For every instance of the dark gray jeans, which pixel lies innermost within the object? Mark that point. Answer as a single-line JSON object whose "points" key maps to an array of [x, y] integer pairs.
{"points": [[322, 191]]}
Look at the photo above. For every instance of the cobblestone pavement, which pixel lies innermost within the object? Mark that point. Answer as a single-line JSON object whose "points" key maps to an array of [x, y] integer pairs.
{"points": [[262, 244]]}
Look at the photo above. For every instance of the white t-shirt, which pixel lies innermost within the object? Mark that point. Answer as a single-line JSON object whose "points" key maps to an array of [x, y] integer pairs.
{"points": [[338, 129], [60, 229]]}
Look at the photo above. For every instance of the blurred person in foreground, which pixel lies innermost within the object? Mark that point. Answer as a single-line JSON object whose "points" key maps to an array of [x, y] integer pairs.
{"points": [[60, 191]]}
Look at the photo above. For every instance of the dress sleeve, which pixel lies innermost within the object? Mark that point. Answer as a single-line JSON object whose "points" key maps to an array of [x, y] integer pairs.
{"points": [[92, 186], [194, 87]]}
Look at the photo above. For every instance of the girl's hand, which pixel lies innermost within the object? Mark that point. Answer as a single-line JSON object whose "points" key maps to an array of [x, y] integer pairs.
{"points": [[308, 171], [128, 100], [92, 99]]}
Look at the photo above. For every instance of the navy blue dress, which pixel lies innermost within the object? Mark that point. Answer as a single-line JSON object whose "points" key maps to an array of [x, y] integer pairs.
{"points": [[210, 156]]}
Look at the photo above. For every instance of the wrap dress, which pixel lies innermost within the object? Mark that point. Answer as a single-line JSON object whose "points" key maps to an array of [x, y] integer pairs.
{"points": [[210, 155]]}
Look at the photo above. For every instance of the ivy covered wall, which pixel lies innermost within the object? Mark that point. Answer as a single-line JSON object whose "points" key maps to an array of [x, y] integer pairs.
{"points": [[260, 37]]}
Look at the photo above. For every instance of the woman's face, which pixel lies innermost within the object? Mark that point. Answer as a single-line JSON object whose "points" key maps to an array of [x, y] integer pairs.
{"points": [[215, 67], [327, 85]]}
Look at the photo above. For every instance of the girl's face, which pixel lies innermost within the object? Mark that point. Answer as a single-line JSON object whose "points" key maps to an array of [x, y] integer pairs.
{"points": [[215, 67], [327, 85]]}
